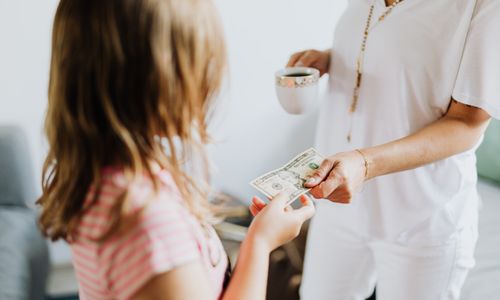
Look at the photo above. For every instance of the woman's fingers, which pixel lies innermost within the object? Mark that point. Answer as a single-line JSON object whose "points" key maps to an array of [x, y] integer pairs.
{"points": [[340, 196], [320, 174], [307, 59], [331, 184], [294, 59], [311, 58]]}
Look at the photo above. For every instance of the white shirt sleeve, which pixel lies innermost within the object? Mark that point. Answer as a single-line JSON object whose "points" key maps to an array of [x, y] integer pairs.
{"points": [[478, 79]]}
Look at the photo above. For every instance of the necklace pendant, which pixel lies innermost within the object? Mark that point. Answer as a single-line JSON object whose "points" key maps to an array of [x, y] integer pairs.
{"points": [[349, 138], [359, 77], [354, 102]]}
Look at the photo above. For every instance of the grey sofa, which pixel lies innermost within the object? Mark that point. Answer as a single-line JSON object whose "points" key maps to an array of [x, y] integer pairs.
{"points": [[24, 258]]}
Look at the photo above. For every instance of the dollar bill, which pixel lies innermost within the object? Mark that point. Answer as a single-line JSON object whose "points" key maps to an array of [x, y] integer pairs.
{"points": [[291, 177]]}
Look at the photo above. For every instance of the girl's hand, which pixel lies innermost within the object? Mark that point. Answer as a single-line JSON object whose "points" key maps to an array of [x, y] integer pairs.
{"points": [[276, 223], [338, 177], [311, 58]]}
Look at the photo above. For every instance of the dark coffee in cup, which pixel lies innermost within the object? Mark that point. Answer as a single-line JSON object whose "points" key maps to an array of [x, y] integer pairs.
{"points": [[297, 75]]}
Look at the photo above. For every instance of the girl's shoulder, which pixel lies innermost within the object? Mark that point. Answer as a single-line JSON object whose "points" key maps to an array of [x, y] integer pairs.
{"points": [[131, 199], [162, 237], [139, 192]]}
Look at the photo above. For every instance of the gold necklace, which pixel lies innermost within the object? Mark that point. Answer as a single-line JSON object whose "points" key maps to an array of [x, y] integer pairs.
{"points": [[361, 56]]}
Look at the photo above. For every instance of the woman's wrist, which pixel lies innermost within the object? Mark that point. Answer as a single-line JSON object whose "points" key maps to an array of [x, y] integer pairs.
{"points": [[366, 163], [372, 156]]}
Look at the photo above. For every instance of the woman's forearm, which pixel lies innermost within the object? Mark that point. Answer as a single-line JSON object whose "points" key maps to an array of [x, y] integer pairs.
{"points": [[249, 280], [443, 138], [340, 175]]}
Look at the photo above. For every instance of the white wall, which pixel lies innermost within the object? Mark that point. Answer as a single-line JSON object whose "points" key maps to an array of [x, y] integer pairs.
{"points": [[253, 133], [25, 30], [256, 134]]}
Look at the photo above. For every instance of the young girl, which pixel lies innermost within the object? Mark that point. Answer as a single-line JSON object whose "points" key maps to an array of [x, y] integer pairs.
{"points": [[127, 77]]}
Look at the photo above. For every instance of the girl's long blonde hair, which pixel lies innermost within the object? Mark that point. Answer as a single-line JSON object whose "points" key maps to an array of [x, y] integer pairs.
{"points": [[124, 73]]}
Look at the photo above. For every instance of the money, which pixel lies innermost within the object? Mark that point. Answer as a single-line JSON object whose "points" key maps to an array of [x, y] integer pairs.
{"points": [[291, 177]]}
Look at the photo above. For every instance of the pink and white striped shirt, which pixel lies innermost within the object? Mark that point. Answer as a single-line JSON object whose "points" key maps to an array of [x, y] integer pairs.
{"points": [[166, 236]]}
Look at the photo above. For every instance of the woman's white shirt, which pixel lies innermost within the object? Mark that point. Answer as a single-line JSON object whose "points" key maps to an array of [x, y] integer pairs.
{"points": [[417, 59]]}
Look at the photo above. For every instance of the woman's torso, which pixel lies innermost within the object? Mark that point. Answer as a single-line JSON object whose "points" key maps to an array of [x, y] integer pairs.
{"points": [[410, 67]]}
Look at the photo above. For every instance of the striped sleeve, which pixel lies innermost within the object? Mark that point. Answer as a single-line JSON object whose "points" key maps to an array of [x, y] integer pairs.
{"points": [[161, 240]]}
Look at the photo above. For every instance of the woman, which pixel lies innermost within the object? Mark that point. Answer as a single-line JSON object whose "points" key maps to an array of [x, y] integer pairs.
{"points": [[413, 85]]}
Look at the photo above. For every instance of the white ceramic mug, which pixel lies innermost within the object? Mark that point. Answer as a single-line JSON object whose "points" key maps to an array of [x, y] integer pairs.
{"points": [[297, 89]]}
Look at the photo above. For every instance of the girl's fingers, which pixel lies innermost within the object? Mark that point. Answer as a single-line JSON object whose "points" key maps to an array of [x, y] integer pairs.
{"points": [[259, 203], [280, 200], [306, 211], [253, 210], [305, 200]]}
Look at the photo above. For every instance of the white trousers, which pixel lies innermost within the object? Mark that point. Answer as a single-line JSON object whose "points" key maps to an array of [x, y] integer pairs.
{"points": [[341, 265]]}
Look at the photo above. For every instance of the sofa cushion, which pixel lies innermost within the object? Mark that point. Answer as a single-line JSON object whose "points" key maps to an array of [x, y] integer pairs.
{"points": [[24, 257], [488, 155], [17, 187]]}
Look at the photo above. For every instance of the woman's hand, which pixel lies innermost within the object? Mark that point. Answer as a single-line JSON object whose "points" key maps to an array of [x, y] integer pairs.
{"points": [[338, 177], [276, 223], [311, 58]]}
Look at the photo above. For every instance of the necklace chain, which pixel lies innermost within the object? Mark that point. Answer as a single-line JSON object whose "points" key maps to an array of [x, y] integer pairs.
{"points": [[361, 56]]}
